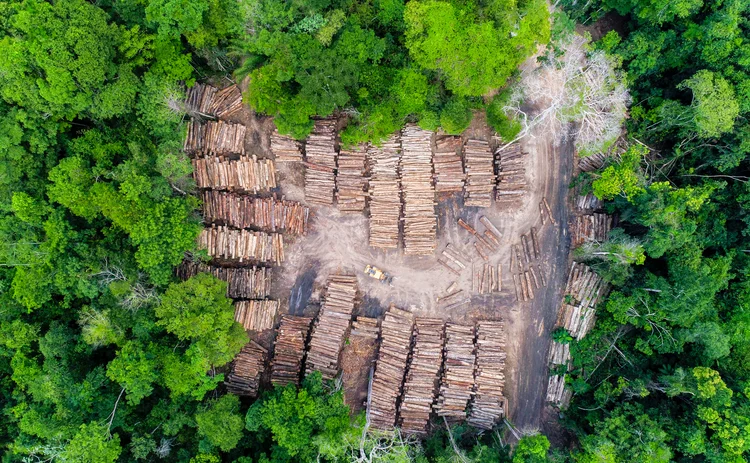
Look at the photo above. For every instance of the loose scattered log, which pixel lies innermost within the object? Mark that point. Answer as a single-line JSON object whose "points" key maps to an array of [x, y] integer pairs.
{"points": [[395, 343], [488, 404], [289, 350], [457, 381], [594, 227], [384, 194], [215, 138], [265, 214], [511, 176], [242, 283], [549, 211], [535, 243], [449, 169], [247, 368], [350, 180], [491, 228], [480, 174], [247, 174], [285, 149], [256, 315], [242, 245], [208, 101], [417, 192], [331, 326], [320, 163], [422, 376]]}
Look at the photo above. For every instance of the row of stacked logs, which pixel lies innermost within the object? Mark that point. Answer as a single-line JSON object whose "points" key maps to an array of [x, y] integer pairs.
{"points": [[332, 326], [351, 184], [207, 100], [247, 368], [384, 188], [449, 168], [242, 283], [320, 163], [511, 173], [214, 138], [480, 173], [289, 350], [457, 382], [246, 174], [488, 405], [418, 193], [265, 214], [242, 245], [385, 389], [593, 227], [285, 149], [256, 314]]}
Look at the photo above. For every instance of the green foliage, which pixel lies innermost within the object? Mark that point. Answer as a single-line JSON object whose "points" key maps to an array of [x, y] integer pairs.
{"points": [[455, 116], [221, 424], [531, 449], [714, 106], [92, 444]]}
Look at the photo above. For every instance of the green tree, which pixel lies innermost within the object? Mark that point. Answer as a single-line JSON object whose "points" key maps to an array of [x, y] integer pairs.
{"points": [[220, 423]]}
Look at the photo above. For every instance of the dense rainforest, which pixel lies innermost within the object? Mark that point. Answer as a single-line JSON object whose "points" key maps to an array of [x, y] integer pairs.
{"points": [[105, 356]]}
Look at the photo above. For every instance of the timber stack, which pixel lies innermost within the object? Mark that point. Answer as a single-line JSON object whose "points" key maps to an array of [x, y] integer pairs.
{"points": [[242, 283], [417, 191], [332, 326], [480, 173], [208, 101], [242, 245], [488, 405], [351, 183], [265, 214], [588, 203], [320, 163], [511, 175], [215, 138], [246, 174], [395, 343], [449, 169], [198, 99], [384, 188], [557, 393], [366, 327], [422, 376], [594, 227], [457, 382], [289, 350], [256, 314], [247, 368], [285, 149], [585, 289]]}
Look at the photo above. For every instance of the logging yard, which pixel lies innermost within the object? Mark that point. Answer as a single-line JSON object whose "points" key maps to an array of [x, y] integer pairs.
{"points": [[473, 233]]}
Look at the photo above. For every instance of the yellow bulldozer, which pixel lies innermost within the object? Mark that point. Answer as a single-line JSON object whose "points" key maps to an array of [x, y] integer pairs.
{"points": [[380, 275]]}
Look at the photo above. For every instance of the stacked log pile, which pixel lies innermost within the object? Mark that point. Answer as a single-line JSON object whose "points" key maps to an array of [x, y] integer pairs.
{"points": [[557, 393], [588, 202], [594, 227], [457, 382], [247, 368], [266, 214], [285, 149], [242, 283], [449, 169], [384, 188], [585, 289], [593, 162], [350, 180], [480, 174], [320, 163], [208, 101], [422, 376], [256, 314], [366, 327], [395, 342], [215, 138], [417, 192], [289, 350], [332, 326], [488, 405], [511, 175], [248, 174], [242, 245]]}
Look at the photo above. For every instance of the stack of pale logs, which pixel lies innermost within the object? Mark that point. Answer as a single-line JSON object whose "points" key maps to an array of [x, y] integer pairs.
{"points": [[247, 174], [242, 245], [215, 138], [457, 382], [449, 169], [480, 173], [256, 314], [418, 194], [247, 368], [523, 259], [266, 214], [385, 200], [332, 326], [242, 283], [488, 405], [594, 227], [320, 163], [422, 376], [588, 202], [511, 176], [366, 327], [208, 101], [285, 149], [350, 180], [289, 350], [395, 342], [557, 393]]}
